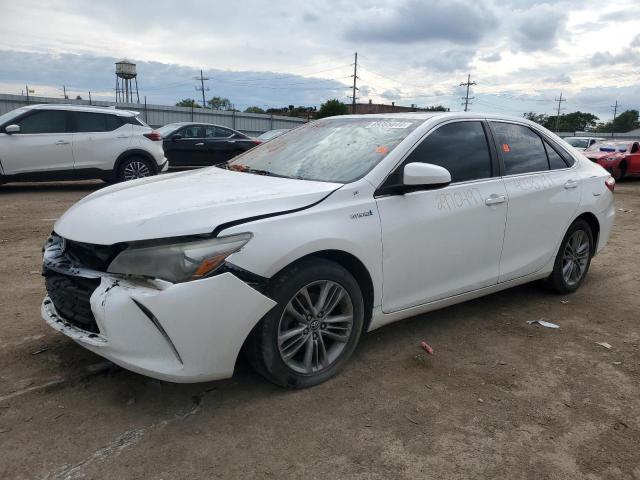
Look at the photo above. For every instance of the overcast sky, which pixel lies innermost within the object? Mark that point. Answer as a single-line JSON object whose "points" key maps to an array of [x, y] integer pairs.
{"points": [[521, 53]]}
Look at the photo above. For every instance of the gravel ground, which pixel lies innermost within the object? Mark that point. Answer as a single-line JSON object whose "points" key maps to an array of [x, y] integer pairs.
{"points": [[498, 399]]}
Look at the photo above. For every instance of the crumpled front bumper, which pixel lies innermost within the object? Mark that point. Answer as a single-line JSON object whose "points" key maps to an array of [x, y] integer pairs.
{"points": [[185, 332]]}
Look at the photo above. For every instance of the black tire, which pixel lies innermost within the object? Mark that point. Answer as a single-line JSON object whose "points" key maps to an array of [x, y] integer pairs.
{"points": [[558, 278], [134, 167], [620, 173], [262, 348]]}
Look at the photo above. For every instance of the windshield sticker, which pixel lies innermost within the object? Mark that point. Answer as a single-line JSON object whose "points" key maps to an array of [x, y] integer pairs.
{"points": [[505, 148], [389, 125], [382, 149]]}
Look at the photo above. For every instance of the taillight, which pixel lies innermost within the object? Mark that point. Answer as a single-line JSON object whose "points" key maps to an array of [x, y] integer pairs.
{"points": [[256, 141], [155, 136], [610, 183]]}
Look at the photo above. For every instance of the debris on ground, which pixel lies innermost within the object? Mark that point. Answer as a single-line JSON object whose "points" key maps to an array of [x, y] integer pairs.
{"points": [[543, 323], [412, 420], [427, 348], [604, 344], [564, 302], [38, 352], [625, 210], [616, 363]]}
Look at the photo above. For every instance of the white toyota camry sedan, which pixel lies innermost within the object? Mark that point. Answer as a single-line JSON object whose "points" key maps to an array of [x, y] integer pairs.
{"points": [[333, 229]]}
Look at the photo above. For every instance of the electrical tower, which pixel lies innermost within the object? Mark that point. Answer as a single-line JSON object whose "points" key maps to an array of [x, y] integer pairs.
{"points": [[466, 98], [355, 88], [202, 88], [615, 113], [559, 100]]}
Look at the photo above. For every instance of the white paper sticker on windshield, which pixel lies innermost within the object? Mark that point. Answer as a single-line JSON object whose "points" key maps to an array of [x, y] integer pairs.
{"points": [[388, 125]]}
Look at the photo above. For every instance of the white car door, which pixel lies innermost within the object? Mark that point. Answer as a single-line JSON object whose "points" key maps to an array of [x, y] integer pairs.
{"points": [[442, 242], [544, 194], [100, 139], [44, 144]]}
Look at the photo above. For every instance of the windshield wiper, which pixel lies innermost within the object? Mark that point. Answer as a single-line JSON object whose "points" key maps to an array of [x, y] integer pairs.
{"points": [[236, 167]]}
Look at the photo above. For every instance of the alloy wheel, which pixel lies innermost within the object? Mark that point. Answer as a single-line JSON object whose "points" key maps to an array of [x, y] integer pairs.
{"points": [[576, 257], [135, 169], [315, 327]]}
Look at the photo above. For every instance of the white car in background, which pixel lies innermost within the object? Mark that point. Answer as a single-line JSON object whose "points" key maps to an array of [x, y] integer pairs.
{"points": [[73, 142], [303, 243], [582, 143]]}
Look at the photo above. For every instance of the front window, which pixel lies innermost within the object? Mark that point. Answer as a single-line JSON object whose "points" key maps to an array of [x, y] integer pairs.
{"points": [[609, 147], [578, 142], [7, 117], [332, 150]]}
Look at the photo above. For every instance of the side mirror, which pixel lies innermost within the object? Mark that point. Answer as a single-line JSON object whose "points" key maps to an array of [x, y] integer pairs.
{"points": [[426, 175], [175, 136], [12, 129]]}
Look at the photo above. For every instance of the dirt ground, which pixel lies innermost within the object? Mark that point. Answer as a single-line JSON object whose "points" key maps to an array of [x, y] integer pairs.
{"points": [[498, 399]]}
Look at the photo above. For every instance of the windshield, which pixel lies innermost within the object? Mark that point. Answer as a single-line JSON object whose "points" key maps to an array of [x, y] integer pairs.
{"points": [[7, 117], [271, 134], [332, 150], [609, 147], [578, 142], [167, 129]]}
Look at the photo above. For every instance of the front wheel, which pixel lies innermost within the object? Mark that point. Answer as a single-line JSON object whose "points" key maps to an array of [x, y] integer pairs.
{"points": [[133, 168], [310, 335], [573, 259]]}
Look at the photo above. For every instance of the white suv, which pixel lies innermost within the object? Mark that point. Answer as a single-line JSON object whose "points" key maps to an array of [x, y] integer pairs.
{"points": [[72, 142]]}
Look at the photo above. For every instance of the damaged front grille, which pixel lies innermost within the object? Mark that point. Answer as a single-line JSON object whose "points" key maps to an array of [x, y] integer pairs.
{"points": [[95, 257], [71, 297]]}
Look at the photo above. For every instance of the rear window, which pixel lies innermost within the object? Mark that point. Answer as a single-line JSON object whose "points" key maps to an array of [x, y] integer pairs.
{"points": [[521, 149]]}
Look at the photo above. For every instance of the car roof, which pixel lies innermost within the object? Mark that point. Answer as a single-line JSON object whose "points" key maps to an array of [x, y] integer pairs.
{"points": [[586, 138], [444, 116], [83, 108]]}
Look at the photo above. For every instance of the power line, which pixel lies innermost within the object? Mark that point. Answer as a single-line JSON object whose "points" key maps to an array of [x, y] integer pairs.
{"points": [[202, 79], [466, 98], [559, 100], [615, 112], [355, 80]]}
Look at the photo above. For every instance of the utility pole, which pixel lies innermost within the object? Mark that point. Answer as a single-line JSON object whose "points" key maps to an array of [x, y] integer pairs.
{"points": [[90, 97], [559, 100], [355, 88], [201, 88], [27, 90], [615, 112], [466, 98], [64, 90]]}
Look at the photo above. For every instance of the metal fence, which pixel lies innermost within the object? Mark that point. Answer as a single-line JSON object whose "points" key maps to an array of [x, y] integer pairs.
{"points": [[157, 115]]}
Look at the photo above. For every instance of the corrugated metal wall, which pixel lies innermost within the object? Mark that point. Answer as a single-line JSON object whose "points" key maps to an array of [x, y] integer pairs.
{"points": [[158, 115]]}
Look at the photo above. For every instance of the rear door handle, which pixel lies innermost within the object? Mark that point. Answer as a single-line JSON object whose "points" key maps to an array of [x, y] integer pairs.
{"points": [[570, 184], [62, 142], [495, 199]]}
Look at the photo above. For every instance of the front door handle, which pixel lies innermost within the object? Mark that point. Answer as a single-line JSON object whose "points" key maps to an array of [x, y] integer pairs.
{"points": [[494, 199], [199, 144], [570, 184], [62, 142]]}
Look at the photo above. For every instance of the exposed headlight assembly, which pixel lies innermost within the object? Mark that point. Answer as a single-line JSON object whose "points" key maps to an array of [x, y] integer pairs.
{"points": [[177, 262]]}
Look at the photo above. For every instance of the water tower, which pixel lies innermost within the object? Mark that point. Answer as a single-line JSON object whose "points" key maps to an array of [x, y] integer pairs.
{"points": [[126, 76]]}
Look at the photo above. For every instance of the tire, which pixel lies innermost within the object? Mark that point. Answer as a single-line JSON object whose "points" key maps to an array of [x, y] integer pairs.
{"points": [[286, 362], [573, 258], [133, 168], [620, 173]]}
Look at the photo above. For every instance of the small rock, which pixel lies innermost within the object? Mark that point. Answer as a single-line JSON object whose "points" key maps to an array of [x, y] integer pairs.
{"points": [[480, 400], [616, 363], [604, 344]]}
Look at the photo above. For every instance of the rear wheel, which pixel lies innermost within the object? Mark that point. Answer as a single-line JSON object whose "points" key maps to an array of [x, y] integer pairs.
{"points": [[573, 259], [134, 167], [310, 335], [619, 173]]}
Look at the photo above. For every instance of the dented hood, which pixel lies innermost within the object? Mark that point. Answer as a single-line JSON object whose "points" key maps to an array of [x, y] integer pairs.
{"points": [[186, 203]]}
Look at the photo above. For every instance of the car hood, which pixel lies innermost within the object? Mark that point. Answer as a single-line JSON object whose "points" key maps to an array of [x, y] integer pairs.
{"points": [[186, 203]]}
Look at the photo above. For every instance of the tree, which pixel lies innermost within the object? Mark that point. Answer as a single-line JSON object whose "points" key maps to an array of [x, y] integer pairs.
{"points": [[78, 97], [436, 108], [188, 102], [626, 121], [331, 108], [253, 110], [539, 118], [219, 103]]}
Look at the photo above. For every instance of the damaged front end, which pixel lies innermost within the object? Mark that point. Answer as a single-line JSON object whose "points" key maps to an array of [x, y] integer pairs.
{"points": [[184, 332]]}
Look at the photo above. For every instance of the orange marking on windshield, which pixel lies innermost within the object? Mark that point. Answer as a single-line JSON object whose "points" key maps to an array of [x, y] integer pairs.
{"points": [[505, 148], [382, 149]]}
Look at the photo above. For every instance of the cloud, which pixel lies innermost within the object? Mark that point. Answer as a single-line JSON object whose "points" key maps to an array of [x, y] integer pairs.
{"points": [[412, 21], [310, 17], [560, 78], [626, 56], [493, 57], [539, 27], [619, 16], [635, 43], [448, 61]]}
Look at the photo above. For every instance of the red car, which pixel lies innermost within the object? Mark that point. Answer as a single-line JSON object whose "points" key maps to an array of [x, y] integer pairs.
{"points": [[620, 157]]}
